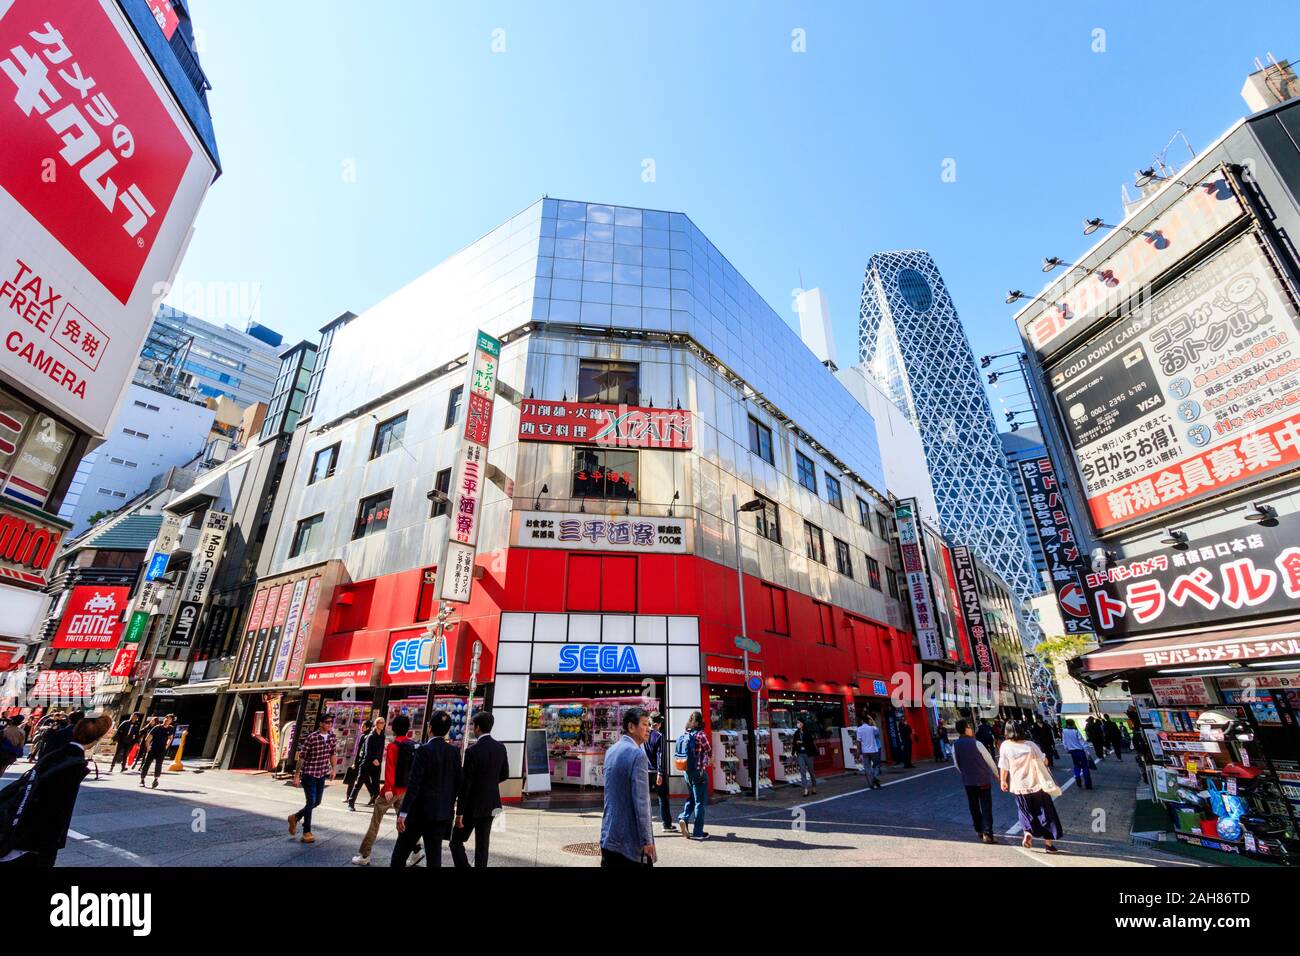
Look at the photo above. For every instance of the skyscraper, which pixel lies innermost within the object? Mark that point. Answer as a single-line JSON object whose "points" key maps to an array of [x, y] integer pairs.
{"points": [[911, 339]]}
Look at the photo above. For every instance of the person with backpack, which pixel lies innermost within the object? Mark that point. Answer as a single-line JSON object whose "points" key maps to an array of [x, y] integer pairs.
{"points": [[398, 754], [124, 738], [36, 809], [693, 755], [428, 810], [12, 740]]}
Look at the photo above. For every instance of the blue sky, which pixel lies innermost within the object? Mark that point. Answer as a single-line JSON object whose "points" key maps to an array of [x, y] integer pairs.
{"points": [[791, 162]]}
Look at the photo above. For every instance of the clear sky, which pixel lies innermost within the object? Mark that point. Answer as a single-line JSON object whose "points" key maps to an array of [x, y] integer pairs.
{"points": [[365, 142]]}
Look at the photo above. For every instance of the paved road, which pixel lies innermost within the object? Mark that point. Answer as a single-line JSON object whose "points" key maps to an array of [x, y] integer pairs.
{"points": [[919, 818]]}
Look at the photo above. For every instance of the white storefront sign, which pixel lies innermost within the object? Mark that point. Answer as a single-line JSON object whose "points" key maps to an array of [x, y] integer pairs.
{"points": [[594, 532]]}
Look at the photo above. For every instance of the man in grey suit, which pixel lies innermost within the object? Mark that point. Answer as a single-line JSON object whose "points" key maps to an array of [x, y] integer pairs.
{"points": [[626, 837]]}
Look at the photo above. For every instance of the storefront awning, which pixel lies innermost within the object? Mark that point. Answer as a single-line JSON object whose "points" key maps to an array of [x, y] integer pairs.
{"points": [[1242, 645], [201, 687]]}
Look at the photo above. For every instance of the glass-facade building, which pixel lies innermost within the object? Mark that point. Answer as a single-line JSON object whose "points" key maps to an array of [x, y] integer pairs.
{"points": [[593, 305], [223, 360]]}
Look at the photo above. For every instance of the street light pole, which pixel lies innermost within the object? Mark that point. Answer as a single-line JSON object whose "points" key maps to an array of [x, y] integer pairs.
{"points": [[744, 633], [437, 631]]}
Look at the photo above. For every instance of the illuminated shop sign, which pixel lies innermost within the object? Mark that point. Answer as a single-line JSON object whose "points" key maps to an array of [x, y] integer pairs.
{"points": [[27, 546], [1243, 573], [413, 657], [598, 659], [92, 618]]}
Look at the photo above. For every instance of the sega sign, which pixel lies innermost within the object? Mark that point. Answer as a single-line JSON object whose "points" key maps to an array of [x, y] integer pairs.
{"points": [[409, 659], [598, 659]]}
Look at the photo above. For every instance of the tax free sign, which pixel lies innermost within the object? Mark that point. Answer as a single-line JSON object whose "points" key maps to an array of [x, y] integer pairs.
{"points": [[101, 178]]}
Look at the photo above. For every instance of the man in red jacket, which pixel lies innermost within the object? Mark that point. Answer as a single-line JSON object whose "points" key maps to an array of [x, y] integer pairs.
{"points": [[398, 755]]}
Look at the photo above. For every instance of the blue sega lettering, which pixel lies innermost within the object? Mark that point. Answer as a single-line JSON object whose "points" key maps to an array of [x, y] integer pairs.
{"points": [[411, 656], [598, 659]]}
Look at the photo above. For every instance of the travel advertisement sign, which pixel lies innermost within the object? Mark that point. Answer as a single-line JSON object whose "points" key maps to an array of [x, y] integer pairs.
{"points": [[1246, 573], [1196, 393]]}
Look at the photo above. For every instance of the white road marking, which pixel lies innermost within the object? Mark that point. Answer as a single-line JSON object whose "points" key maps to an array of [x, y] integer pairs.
{"points": [[101, 845], [853, 793]]}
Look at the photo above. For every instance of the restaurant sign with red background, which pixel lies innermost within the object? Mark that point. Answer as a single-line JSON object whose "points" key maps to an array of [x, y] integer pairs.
{"points": [[610, 426]]}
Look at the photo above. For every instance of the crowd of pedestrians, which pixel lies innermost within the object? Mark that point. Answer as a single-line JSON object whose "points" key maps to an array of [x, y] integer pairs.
{"points": [[438, 797], [435, 797]]}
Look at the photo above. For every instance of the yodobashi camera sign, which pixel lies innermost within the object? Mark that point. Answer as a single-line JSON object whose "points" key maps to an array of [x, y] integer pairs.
{"points": [[101, 177]]}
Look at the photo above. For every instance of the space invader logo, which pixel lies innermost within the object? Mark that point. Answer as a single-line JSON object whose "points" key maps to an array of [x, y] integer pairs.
{"points": [[90, 150]]}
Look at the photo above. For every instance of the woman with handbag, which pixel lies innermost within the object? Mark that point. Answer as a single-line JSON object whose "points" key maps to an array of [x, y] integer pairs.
{"points": [[1023, 769]]}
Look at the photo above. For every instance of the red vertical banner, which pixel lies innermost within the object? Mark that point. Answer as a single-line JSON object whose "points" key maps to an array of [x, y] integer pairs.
{"points": [[165, 16]]}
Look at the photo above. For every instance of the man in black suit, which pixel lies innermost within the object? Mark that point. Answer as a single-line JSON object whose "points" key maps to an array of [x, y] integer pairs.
{"points": [[486, 766], [370, 757], [41, 828], [430, 802]]}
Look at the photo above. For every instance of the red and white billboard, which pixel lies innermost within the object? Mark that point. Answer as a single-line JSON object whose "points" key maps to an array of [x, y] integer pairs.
{"points": [[66, 686], [612, 426], [338, 674], [92, 618], [165, 16], [124, 660], [101, 177]]}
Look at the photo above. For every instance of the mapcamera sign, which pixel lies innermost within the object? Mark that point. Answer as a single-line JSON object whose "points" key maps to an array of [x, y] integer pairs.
{"points": [[100, 180]]}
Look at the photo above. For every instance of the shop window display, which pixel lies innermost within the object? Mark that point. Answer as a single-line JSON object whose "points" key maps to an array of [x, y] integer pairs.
{"points": [[456, 705], [579, 729], [1229, 773]]}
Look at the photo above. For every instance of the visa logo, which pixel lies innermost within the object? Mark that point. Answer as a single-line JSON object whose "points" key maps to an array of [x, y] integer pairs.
{"points": [[411, 655], [598, 659]]}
